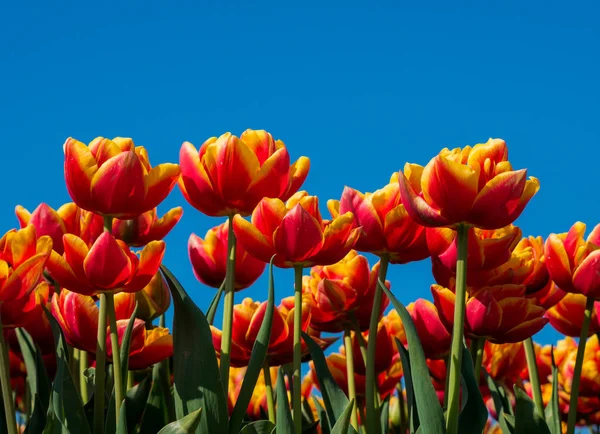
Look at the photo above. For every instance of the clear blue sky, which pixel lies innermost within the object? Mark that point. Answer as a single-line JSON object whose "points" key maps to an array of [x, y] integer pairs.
{"points": [[359, 89]]}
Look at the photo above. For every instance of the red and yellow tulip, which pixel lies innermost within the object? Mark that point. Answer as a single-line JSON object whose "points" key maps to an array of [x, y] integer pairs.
{"points": [[114, 177], [209, 259], [504, 362], [147, 227], [231, 175], [107, 266], [574, 263], [476, 186], [589, 386], [387, 229], [567, 315], [154, 299], [296, 233]]}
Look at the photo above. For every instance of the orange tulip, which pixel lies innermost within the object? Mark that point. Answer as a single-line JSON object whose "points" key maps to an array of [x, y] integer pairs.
{"points": [[107, 266], [342, 293], [154, 299], [209, 259], [114, 177], [146, 227], [247, 319], [567, 315], [296, 233], [23, 256], [476, 186], [387, 229], [499, 313], [574, 263], [230, 176], [504, 362], [589, 386], [157, 346]]}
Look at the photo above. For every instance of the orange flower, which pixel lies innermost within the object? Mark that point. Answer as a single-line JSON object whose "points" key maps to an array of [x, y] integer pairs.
{"points": [[567, 315], [23, 256], [209, 259], [154, 299], [499, 313], [589, 387], [387, 229], [114, 177], [108, 266], [296, 232], [230, 176], [146, 227], [157, 346], [574, 263], [247, 319], [504, 362], [475, 186], [342, 292]]}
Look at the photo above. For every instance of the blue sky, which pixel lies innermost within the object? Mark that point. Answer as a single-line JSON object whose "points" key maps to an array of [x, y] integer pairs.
{"points": [[359, 89]]}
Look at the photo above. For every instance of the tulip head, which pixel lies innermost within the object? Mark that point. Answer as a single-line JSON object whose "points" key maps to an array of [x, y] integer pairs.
{"points": [[209, 259], [504, 362], [146, 227], [107, 266], [387, 229], [296, 233], [567, 315], [114, 177], [230, 175], [475, 186], [574, 263], [154, 299]]}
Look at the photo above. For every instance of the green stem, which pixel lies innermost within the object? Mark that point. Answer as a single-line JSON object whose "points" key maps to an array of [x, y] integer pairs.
{"points": [[534, 376], [362, 343], [83, 386], [269, 390], [165, 378], [297, 360], [478, 359], [457, 332], [402, 409], [74, 366], [116, 354], [100, 368], [130, 380], [7, 394], [373, 422], [585, 327], [350, 372], [228, 308]]}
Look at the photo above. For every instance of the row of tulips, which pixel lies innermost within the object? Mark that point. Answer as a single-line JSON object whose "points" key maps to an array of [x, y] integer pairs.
{"points": [[81, 352]]}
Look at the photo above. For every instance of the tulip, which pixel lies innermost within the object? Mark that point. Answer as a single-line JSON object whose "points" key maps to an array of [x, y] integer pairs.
{"points": [[154, 299], [500, 314], [107, 266], [474, 186], [157, 346], [589, 385], [342, 294], [114, 177], [568, 314], [231, 176], [504, 362], [387, 229], [209, 259], [147, 227]]}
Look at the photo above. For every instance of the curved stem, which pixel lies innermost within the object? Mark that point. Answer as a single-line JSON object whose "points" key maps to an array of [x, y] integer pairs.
{"points": [[116, 353], [373, 422], [7, 395], [269, 391], [457, 332], [297, 360], [585, 327], [228, 308], [350, 372], [478, 359], [534, 376], [83, 386], [100, 379]]}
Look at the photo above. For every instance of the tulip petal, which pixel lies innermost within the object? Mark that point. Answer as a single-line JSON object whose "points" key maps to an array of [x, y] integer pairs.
{"points": [[271, 180], [158, 346], [483, 314], [124, 305], [22, 215], [558, 263], [417, 207], [299, 236], [587, 276], [107, 266], [151, 257], [372, 238], [80, 168], [158, 183], [279, 328], [297, 176], [22, 280], [254, 242]]}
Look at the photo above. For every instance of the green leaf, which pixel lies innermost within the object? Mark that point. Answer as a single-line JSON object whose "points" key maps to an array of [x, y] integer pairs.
{"points": [[285, 423], [384, 414], [474, 416], [37, 421], [214, 304], [258, 427], [186, 425], [66, 402], [122, 426], [196, 372], [413, 414], [342, 426], [552, 412], [37, 378], [334, 398], [156, 413], [527, 418], [431, 414], [323, 420], [257, 360], [500, 404]]}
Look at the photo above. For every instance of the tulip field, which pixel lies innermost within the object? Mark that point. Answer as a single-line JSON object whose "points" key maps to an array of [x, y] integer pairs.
{"points": [[86, 347]]}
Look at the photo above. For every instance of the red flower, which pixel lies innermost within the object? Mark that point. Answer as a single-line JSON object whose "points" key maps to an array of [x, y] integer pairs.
{"points": [[147, 227]]}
